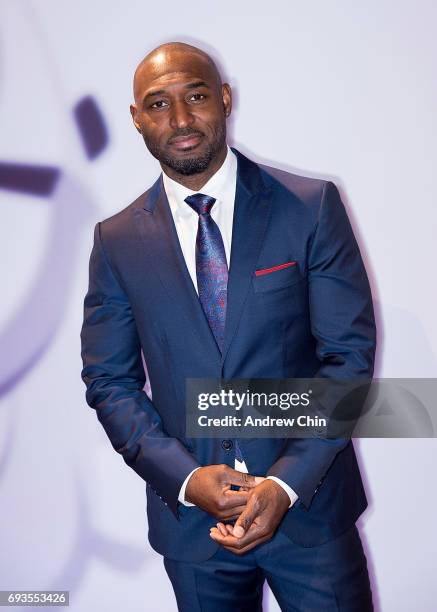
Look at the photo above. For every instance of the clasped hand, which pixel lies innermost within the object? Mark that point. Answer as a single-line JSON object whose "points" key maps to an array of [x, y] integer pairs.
{"points": [[258, 505]]}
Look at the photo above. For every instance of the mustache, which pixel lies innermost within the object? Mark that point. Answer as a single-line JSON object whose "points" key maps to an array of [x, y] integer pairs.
{"points": [[184, 132]]}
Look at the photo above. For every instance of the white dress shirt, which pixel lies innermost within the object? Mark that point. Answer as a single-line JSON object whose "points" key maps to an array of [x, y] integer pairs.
{"points": [[221, 186]]}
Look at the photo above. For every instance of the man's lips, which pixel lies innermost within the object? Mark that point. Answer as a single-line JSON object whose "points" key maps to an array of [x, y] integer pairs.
{"points": [[185, 142]]}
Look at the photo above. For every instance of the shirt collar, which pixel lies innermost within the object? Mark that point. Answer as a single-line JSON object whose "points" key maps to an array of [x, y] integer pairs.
{"points": [[214, 187]]}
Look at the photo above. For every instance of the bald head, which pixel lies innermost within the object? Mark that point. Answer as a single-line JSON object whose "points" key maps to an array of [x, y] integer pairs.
{"points": [[180, 109], [173, 57]]}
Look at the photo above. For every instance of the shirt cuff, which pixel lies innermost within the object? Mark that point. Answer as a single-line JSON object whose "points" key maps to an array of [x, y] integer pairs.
{"points": [[291, 494], [181, 497]]}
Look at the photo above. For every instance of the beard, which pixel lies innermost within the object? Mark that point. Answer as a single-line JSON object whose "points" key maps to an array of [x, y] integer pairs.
{"points": [[189, 165]]}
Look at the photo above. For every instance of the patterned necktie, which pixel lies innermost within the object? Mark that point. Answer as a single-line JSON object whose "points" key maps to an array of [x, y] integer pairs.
{"points": [[211, 271], [211, 266]]}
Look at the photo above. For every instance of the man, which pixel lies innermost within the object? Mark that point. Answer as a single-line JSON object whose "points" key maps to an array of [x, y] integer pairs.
{"points": [[225, 269]]}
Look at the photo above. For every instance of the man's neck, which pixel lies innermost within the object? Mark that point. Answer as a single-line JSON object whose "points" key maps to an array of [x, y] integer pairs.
{"points": [[195, 182]]}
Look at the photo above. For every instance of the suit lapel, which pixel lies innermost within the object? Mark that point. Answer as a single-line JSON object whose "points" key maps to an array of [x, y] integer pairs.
{"points": [[251, 215], [164, 255]]}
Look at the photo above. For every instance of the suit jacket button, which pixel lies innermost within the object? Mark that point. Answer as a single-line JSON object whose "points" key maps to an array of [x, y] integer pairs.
{"points": [[227, 445]]}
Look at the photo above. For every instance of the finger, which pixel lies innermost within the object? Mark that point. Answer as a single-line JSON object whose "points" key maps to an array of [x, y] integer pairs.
{"points": [[222, 528], [235, 498], [218, 529], [230, 513], [241, 551], [245, 520], [259, 479], [251, 536], [242, 479]]}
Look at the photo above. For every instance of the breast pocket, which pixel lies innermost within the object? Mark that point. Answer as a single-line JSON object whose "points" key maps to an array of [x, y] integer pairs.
{"points": [[276, 277], [282, 294]]}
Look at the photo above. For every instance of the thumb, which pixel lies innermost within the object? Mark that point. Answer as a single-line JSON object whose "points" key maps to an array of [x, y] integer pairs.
{"points": [[244, 521], [242, 479]]}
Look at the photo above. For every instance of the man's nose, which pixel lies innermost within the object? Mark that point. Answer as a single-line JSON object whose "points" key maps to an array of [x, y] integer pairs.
{"points": [[180, 115]]}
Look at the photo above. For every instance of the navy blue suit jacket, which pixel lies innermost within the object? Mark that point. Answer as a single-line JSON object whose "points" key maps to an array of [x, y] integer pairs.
{"points": [[311, 319]]}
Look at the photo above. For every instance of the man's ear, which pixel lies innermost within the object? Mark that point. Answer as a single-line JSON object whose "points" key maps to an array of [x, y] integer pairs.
{"points": [[227, 99], [133, 112]]}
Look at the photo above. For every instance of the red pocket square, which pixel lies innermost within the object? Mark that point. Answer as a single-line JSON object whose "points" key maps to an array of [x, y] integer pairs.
{"points": [[275, 268]]}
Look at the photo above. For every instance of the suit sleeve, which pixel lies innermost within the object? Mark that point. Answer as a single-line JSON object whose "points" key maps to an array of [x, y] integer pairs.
{"points": [[114, 375], [342, 322]]}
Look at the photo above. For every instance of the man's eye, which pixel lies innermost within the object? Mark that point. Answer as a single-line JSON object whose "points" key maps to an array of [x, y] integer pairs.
{"points": [[159, 104], [197, 97]]}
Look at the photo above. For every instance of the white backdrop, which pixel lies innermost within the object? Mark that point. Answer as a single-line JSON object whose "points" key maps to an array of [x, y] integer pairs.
{"points": [[340, 90]]}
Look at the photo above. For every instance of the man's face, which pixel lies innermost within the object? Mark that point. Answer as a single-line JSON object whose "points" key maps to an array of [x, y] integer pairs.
{"points": [[180, 109]]}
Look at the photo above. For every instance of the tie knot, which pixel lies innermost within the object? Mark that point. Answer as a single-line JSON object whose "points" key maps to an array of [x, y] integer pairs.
{"points": [[201, 203]]}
